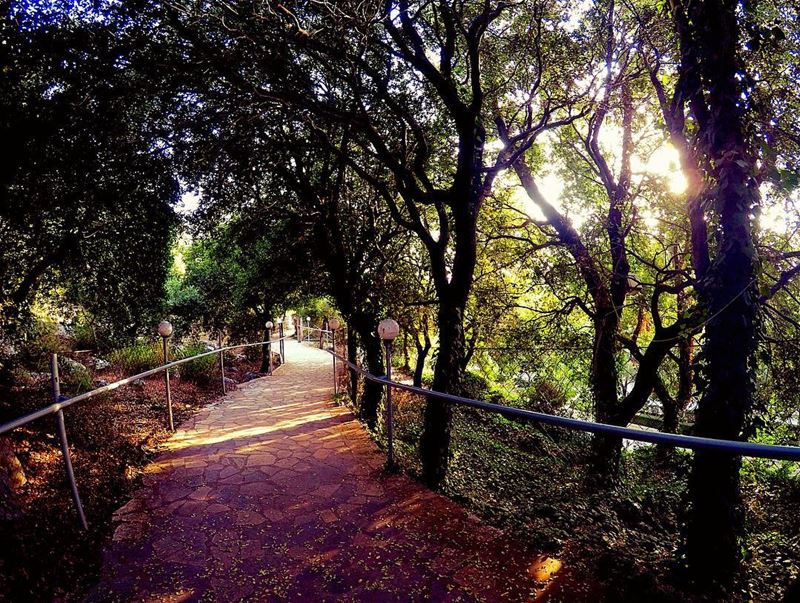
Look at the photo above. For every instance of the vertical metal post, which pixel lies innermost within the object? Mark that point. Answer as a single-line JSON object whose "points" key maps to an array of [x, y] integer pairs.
{"points": [[389, 417], [222, 364], [62, 436], [269, 351], [299, 329], [280, 343], [166, 384], [335, 380]]}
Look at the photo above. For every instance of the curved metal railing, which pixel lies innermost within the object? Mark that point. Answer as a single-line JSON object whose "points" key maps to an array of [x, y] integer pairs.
{"points": [[59, 404], [731, 447]]}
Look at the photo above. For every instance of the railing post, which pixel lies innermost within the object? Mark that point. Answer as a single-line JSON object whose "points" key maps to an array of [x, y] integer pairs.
{"points": [[222, 364], [62, 436], [269, 348], [388, 329], [166, 385], [333, 324], [389, 413], [280, 343]]}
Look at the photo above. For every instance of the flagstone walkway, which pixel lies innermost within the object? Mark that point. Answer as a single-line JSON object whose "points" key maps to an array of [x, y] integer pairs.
{"points": [[278, 494]]}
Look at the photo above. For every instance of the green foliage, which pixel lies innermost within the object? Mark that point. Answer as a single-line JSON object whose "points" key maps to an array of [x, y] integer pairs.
{"points": [[200, 371], [85, 189], [138, 357], [75, 377]]}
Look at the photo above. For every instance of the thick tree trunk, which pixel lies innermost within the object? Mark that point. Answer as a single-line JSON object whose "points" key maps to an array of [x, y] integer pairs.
{"points": [[364, 324], [435, 442], [709, 41], [606, 450], [672, 417], [352, 356], [265, 352], [716, 517]]}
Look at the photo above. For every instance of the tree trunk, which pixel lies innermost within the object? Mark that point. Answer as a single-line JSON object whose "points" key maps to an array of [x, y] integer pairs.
{"points": [[364, 324], [352, 356], [406, 361], [265, 354], [709, 42], [716, 517], [672, 417], [606, 450], [435, 441], [422, 355]]}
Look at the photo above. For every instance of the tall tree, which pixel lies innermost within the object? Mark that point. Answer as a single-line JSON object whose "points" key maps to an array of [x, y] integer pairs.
{"points": [[86, 191], [709, 38]]}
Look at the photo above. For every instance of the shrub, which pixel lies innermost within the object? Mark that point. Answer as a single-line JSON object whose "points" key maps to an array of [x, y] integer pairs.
{"points": [[200, 371], [74, 376], [137, 358], [84, 332], [41, 340]]}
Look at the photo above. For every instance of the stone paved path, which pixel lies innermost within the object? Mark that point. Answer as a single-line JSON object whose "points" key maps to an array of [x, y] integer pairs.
{"points": [[278, 494]]}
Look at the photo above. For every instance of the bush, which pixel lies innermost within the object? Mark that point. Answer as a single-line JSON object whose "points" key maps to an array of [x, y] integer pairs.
{"points": [[477, 387], [200, 371], [74, 376], [137, 358], [84, 332], [41, 340]]}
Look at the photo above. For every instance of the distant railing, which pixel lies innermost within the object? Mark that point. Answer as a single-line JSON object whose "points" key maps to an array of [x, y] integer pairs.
{"points": [[308, 334], [730, 447], [60, 403]]}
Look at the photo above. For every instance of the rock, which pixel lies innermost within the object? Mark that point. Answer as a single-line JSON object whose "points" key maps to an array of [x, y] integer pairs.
{"points": [[100, 364], [71, 366], [239, 357], [230, 383], [100, 383], [249, 376], [138, 383], [628, 510]]}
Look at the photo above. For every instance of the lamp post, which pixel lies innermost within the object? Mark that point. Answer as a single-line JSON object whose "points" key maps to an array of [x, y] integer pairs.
{"points": [[333, 324], [269, 326], [308, 326], [388, 329], [165, 330], [280, 341], [222, 363]]}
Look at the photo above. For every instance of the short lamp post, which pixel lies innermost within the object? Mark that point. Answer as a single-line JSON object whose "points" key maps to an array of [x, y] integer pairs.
{"points": [[268, 350], [222, 363], [280, 341], [388, 329], [333, 324], [165, 330]]}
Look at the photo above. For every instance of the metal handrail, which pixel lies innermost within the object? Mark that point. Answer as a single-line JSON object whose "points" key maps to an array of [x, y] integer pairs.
{"points": [[58, 406], [732, 447], [54, 408]]}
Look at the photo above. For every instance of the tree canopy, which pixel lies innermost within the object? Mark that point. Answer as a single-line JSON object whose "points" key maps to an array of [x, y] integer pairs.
{"points": [[586, 207]]}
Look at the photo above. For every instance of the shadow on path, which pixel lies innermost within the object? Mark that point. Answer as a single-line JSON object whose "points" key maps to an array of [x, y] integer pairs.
{"points": [[277, 494]]}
